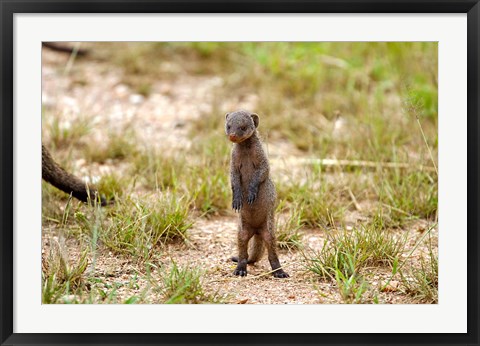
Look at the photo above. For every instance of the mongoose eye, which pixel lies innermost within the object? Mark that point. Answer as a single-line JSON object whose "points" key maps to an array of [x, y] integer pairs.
{"points": [[244, 128], [228, 127]]}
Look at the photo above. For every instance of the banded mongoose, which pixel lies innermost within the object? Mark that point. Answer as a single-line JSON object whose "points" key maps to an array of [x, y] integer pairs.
{"points": [[61, 179], [254, 193]]}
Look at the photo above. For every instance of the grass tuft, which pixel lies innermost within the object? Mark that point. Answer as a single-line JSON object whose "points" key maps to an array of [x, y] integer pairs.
{"points": [[64, 134], [60, 277], [184, 286], [135, 228], [348, 252], [407, 195], [288, 225], [422, 282], [318, 202], [115, 146], [158, 171]]}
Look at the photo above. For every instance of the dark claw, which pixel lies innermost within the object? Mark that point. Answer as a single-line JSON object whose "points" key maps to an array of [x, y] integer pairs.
{"points": [[280, 274], [240, 272], [237, 203], [252, 196]]}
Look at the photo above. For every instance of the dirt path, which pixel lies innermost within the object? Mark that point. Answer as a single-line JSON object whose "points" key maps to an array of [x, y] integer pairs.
{"points": [[213, 242]]}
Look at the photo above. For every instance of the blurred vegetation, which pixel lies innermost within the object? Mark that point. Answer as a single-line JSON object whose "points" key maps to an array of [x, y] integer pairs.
{"points": [[306, 89]]}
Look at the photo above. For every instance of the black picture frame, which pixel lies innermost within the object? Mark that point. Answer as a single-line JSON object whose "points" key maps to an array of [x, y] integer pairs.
{"points": [[9, 7]]}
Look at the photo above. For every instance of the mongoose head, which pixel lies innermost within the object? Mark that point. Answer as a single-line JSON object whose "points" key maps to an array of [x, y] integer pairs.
{"points": [[240, 125]]}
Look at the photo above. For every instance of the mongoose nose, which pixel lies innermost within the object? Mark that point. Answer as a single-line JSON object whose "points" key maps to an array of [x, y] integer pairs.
{"points": [[232, 137]]}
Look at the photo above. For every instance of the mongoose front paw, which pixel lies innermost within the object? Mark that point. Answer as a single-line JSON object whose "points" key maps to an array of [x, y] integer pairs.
{"points": [[280, 274], [237, 204], [252, 196], [240, 272]]}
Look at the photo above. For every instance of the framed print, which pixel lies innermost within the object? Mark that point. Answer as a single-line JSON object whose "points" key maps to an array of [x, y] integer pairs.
{"points": [[239, 173]]}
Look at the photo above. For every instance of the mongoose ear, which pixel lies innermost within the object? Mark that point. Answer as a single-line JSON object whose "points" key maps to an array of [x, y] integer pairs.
{"points": [[226, 115], [255, 119]]}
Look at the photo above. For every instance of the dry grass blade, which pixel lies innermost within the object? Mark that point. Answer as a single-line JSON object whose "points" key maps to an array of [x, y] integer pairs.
{"points": [[426, 144], [397, 268], [293, 161]]}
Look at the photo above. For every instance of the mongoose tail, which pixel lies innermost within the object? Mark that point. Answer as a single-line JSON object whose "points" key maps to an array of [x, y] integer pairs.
{"points": [[54, 174], [256, 249]]}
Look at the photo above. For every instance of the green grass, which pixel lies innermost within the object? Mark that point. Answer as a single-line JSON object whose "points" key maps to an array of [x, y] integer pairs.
{"points": [[303, 89], [63, 134], [421, 282], [112, 186], [210, 189], [352, 287], [201, 174], [66, 281], [131, 227], [316, 200], [288, 227], [208, 173], [115, 146], [299, 84], [351, 251], [60, 277], [52, 201], [348, 256], [407, 195], [157, 171], [183, 285], [136, 228]]}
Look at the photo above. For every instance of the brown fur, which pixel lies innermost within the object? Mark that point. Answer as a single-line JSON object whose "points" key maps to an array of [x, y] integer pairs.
{"points": [[254, 193], [61, 179]]}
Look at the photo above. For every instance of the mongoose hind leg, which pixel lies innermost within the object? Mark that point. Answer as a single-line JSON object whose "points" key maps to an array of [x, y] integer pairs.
{"points": [[269, 239], [244, 235]]}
